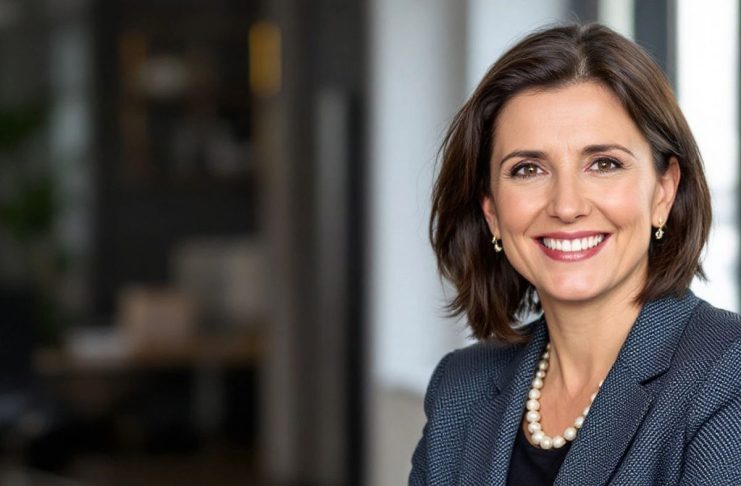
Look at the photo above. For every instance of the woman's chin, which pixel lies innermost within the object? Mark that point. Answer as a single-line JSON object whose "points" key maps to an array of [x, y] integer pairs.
{"points": [[570, 292]]}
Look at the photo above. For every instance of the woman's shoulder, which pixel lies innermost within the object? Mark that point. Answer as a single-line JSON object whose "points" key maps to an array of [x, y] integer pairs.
{"points": [[463, 379], [706, 364], [709, 347], [470, 373], [710, 333], [482, 360]]}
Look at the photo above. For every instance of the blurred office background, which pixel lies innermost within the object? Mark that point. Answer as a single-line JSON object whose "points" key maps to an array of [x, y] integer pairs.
{"points": [[214, 267]]}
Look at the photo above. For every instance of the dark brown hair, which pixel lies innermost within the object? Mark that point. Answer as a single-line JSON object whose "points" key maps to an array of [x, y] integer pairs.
{"points": [[490, 292]]}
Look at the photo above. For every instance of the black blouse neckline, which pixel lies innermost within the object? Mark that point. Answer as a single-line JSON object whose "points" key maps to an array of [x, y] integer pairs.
{"points": [[532, 466]]}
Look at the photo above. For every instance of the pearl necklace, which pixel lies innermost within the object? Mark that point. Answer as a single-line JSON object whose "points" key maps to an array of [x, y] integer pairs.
{"points": [[533, 414]]}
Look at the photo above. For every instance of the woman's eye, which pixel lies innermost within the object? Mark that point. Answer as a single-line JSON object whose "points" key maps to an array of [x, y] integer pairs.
{"points": [[525, 170], [605, 165]]}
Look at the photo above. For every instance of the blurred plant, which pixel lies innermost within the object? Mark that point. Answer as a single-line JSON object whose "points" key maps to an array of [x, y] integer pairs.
{"points": [[17, 124], [30, 213], [27, 215]]}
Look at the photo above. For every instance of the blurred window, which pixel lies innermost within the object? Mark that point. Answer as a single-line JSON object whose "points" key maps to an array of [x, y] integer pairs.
{"points": [[707, 37]]}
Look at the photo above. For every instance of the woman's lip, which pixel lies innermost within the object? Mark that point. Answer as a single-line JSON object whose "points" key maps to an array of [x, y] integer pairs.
{"points": [[571, 256]]}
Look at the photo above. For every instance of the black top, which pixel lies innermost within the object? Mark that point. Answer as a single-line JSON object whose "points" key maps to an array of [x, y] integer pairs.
{"points": [[533, 466]]}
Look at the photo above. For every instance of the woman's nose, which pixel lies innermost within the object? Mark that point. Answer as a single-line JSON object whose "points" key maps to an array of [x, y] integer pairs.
{"points": [[568, 200]]}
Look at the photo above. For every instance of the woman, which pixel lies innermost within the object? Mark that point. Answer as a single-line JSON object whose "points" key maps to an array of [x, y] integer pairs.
{"points": [[571, 184]]}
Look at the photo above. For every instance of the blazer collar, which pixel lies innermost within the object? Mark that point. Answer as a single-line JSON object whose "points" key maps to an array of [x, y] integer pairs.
{"points": [[650, 345], [616, 413], [530, 355]]}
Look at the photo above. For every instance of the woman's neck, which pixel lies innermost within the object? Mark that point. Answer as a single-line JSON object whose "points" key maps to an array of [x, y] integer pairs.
{"points": [[585, 340]]}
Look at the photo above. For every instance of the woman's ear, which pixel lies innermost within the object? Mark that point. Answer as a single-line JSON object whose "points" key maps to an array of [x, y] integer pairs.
{"points": [[667, 190], [490, 214]]}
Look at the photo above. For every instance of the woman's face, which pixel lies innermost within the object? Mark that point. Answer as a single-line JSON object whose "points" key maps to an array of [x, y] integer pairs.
{"points": [[574, 193]]}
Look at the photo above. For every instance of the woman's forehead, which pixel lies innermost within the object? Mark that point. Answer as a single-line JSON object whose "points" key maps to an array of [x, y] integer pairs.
{"points": [[569, 117]]}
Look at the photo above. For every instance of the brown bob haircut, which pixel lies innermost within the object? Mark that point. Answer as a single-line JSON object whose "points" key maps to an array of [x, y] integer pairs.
{"points": [[490, 292]]}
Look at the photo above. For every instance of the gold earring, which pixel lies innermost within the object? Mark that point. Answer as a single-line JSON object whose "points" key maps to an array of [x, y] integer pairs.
{"points": [[495, 242], [660, 231]]}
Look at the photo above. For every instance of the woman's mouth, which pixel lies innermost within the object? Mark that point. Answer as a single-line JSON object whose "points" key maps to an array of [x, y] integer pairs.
{"points": [[572, 247]]}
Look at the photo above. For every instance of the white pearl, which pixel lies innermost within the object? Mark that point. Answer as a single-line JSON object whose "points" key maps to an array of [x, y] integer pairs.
{"points": [[543, 365], [532, 416], [533, 394], [569, 433], [537, 436], [546, 442], [538, 383], [548, 346], [594, 395], [533, 427], [600, 383], [546, 355], [533, 405], [586, 411], [540, 374], [558, 442], [579, 421]]}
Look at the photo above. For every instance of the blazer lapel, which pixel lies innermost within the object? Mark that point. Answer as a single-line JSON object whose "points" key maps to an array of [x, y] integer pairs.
{"points": [[606, 433], [623, 401], [494, 419]]}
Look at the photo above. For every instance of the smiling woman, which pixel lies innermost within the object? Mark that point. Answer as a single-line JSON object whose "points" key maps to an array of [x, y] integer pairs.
{"points": [[571, 185], [589, 175]]}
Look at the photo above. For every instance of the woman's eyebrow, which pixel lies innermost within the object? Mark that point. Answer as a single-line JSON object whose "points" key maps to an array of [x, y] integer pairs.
{"points": [[588, 150], [592, 149], [526, 154]]}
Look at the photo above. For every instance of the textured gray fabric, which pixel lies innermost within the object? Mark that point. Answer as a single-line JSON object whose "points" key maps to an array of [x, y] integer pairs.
{"points": [[669, 411]]}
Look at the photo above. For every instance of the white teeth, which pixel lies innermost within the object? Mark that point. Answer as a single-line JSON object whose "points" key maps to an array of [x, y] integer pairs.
{"points": [[578, 244]]}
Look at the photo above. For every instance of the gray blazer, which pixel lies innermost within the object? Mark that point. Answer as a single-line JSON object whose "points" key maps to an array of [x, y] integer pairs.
{"points": [[669, 411]]}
